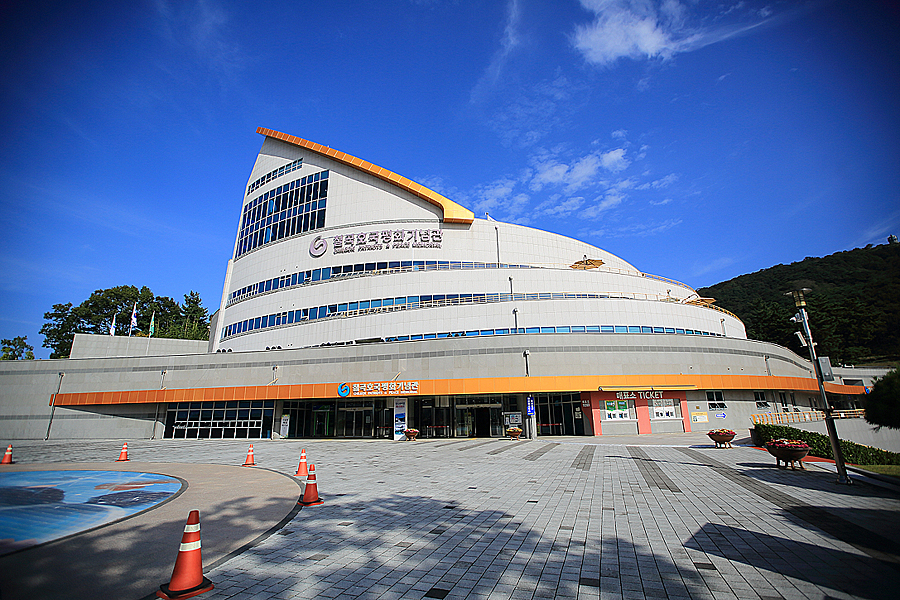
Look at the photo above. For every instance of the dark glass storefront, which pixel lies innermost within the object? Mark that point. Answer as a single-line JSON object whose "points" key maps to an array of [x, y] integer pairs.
{"points": [[220, 419], [433, 416]]}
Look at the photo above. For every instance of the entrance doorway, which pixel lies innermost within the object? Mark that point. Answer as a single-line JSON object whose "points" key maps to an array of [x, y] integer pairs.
{"points": [[354, 421]]}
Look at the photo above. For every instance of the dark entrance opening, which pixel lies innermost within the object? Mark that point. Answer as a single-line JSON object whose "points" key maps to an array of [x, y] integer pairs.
{"points": [[483, 422]]}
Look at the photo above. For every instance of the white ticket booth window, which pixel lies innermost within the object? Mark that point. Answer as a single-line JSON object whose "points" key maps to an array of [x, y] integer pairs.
{"points": [[619, 409], [666, 408]]}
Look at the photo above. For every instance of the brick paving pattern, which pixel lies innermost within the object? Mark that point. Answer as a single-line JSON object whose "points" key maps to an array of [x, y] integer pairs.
{"points": [[496, 519]]}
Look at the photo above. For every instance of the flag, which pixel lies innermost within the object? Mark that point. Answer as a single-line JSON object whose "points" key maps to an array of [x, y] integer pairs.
{"points": [[152, 325], [133, 319], [112, 326]]}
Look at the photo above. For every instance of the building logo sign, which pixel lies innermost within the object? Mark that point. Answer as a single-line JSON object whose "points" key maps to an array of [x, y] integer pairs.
{"points": [[391, 239], [378, 388], [318, 247]]}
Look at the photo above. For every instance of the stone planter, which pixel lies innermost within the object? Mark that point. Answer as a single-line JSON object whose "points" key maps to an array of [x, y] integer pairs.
{"points": [[410, 437], [514, 436], [722, 441], [788, 455]]}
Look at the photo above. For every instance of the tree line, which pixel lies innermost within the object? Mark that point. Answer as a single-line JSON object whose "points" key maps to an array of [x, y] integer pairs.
{"points": [[853, 303], [189, 320]]}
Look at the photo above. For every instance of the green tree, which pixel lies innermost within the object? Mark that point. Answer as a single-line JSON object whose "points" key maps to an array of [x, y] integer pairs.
{"points": [[17, 348], [882, 404], [59, 330], [96, 314]]}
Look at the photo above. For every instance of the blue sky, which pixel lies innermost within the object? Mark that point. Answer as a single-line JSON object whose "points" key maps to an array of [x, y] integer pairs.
{"points": [[697, 140]]}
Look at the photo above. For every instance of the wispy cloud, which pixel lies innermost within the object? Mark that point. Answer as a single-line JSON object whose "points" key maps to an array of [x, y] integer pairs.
{"points": [[635, 229], [712, 266], [508, 43], [202, 27], [650, 29]]}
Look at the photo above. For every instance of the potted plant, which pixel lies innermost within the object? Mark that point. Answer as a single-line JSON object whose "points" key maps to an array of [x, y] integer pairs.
{"points": [[722, 437], [789, 451], [514, 432], [411, 434]]}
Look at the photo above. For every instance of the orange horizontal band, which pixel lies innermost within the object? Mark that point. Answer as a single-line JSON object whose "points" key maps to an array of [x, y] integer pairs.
{"points": [[453, 212], [445, 387]]}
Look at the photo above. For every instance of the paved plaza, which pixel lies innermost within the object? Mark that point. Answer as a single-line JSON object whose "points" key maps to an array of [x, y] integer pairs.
{"points": [[661, 517]]}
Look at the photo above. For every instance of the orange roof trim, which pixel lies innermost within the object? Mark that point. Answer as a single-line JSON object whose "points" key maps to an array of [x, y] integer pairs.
{"points": [[453, 212]]}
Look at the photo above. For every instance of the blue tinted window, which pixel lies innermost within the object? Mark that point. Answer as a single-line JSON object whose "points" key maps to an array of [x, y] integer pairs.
{"points": [[364, 305], [342, 308], [679, 330], [578, 329], [354, 306], [326, 273], [314, 313], [646, 329], [416, 337], [387, 302], [532, 330], [471, 333], [563, 330], [487, 332], [376, 303], [607, 329], [669, 330], [548, 329], [501, 331], [634, 329], [658, 330], [317, 275]]}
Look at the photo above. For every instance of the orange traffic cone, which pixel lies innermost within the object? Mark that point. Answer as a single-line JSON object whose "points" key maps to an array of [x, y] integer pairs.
{"points": [[249, 462], [187, 577], [7, 458], [301, 469], [123, 455], [311, 492]]}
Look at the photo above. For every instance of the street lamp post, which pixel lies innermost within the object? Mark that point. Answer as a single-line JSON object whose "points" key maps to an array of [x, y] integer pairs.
{"points": [[800, 303]]}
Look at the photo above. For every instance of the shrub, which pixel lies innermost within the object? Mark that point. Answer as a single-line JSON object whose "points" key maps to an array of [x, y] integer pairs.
{"points": [[820, 445]]}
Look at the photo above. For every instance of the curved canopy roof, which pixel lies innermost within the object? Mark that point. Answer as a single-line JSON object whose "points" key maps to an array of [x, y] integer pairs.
{"points": [[453, 212]]}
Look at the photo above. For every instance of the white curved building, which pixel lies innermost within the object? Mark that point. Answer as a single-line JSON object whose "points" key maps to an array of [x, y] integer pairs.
{"points": [[332, 249], [358, 302]]}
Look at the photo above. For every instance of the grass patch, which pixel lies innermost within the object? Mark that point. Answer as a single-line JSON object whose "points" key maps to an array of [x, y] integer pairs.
{"points": [[892, 470]]}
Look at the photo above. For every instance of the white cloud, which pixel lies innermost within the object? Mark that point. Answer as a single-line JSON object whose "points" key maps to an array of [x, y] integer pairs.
{"points": [[609, 201], [635, 230], [659, 183], [509, 42], [649, 29], [619, 134], [614, 160], [556, 208], [660, 202]]}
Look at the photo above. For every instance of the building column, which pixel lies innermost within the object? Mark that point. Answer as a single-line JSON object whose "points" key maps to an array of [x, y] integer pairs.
{"points": [[591, 406], [685, 415], [642, 408]]}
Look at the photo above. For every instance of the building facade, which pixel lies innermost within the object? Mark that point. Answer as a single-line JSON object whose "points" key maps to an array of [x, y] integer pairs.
{"points": [[357, 301]]}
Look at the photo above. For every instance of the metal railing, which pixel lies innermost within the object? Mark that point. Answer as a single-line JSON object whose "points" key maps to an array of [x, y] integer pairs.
{"points": [[807, 416]]}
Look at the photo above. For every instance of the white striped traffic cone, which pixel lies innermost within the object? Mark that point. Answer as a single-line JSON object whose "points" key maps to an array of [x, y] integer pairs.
{"points": [[123, 455], [250, 462], [302, 471], [187, 576], [7, 457], [311, 491]]}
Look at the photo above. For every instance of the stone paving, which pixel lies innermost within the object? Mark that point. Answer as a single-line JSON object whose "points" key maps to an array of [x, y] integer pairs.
{"points": [[552, 518]]}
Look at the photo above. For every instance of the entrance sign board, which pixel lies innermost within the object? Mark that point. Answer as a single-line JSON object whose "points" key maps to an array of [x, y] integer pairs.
{"points": [[399, 418], [529, 405], [380, 388]]}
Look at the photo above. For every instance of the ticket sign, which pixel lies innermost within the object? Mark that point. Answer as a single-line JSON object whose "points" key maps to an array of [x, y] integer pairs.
{"points": [[529, 405], [699, 417]]}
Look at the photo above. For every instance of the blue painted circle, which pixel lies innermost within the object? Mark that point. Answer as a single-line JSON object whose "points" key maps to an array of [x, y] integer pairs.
{"points": [[343, 390]]}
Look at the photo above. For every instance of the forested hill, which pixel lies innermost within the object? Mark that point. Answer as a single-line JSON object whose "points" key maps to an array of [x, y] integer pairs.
{"points": [[854, 305]]}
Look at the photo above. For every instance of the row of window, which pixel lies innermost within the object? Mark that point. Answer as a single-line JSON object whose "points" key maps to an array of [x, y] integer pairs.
{"points": [[295, 207], [288, 168], [359, 269], [366, 307]]}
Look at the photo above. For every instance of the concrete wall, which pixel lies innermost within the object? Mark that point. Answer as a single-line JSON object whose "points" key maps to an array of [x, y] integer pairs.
{"points": [[26, 386], [88, 345]]}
